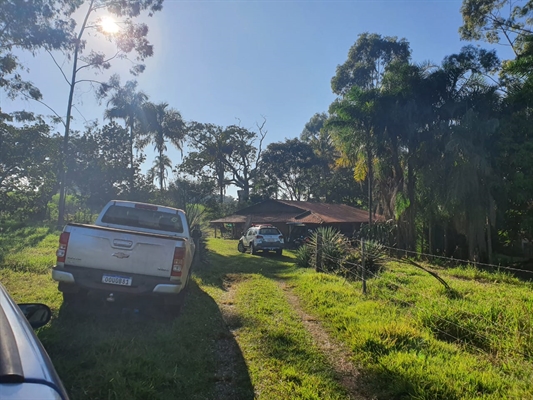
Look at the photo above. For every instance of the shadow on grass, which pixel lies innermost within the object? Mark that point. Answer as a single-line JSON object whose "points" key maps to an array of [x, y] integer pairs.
{"points": [[268, 264], [132, 350]]}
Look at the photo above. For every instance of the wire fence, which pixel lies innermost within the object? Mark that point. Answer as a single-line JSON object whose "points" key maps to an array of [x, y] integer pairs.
{"points": [[456, 261], [358, 272]]}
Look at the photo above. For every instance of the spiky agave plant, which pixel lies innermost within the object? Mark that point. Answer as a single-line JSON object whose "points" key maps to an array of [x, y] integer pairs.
{"points": [[375, 256], [334, 245], [304, 256]]}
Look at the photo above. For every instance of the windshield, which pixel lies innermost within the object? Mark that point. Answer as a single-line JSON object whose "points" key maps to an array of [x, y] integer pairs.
{"points": [[141, 218], [269, 231]]}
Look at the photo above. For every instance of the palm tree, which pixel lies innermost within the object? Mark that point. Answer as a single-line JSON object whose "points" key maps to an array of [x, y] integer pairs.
{"points": [[127, 104], [159, 169], [162, 124], [352, 126]]}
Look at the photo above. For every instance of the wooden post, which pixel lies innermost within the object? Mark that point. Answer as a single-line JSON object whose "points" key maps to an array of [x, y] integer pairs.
{"points": [[363, 256], [318, 252]]}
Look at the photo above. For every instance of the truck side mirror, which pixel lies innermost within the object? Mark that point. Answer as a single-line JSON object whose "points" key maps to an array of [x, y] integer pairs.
{"points": [[196, 234]]}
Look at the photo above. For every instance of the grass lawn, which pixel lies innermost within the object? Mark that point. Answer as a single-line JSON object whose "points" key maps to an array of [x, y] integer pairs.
{"points": [[408, 336]]}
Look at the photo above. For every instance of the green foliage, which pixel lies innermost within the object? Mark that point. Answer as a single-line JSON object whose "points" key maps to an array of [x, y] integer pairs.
{"points": [[287, 168], [380, 232], [411, 339], [27, 167], [30, 25], [304, 255], [226, 155], [196, 220], [334, 247]]}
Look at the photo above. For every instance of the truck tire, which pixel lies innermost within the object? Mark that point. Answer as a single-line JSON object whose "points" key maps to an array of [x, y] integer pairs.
{"points": [[279, 252], [240, 247]]}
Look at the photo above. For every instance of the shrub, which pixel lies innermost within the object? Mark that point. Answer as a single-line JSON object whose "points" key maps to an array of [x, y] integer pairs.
{"points": [[335, 246], [304, 255]]}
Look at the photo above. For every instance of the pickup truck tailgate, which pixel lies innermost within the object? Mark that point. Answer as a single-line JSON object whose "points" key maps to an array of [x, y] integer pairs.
{"points": [[121, 251]]}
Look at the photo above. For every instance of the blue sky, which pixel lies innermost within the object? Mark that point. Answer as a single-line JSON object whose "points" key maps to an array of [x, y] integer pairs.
{"points": [[216, 61]]}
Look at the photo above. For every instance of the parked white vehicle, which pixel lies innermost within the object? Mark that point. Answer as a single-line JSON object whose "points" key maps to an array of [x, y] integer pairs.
{"points": [[262, 238], [133, 248]]}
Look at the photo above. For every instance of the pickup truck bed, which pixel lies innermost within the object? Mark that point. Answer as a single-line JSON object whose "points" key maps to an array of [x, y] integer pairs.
{"points": [[137, 260]]}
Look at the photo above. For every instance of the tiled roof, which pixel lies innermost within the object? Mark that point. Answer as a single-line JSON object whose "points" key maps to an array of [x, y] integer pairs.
{"points": [[256, 218], [311, 213]]}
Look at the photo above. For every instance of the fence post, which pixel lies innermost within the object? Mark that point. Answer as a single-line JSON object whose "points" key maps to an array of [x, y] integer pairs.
{"points": [[363, 256], [318, 252]]}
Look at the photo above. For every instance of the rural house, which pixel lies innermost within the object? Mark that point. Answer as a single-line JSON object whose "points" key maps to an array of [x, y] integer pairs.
{"points": [[291, 216]]}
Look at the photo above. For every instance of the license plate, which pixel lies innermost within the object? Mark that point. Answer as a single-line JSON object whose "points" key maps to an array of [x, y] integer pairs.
{"points": [[270, 240], [116, 280]]}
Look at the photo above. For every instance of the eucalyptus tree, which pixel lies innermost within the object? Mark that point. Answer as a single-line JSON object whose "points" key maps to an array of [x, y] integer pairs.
{"points": [[127, 103], [128, 36], [30, 26], [161, 125], [368, 60]]}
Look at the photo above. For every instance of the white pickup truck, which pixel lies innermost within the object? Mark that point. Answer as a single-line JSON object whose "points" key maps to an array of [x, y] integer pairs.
{"points": [[133, 248]]}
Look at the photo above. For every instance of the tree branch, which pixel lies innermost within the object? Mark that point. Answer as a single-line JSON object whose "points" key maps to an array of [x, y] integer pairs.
{"points": [[58, 66], [90, 80], [103, 62], [46, 105]]}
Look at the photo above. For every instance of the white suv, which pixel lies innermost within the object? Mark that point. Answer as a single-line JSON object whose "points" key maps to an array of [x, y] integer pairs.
{"points": [[262, 238]]}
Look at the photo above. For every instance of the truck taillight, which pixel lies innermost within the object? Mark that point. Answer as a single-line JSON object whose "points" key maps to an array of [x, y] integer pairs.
{"points": [[259, 237], [61, 252], [178, 261]]}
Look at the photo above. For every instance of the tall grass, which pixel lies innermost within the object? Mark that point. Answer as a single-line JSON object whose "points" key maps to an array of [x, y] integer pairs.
{"points": [[414, 339]]}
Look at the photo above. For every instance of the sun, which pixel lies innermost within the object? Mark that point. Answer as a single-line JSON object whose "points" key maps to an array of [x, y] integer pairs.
{"points": [[109, 25]]}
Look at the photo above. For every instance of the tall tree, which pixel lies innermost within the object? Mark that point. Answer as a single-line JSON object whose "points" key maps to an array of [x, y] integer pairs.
{"points": [[367, 61], [99, 167], [128, 37], [207, 158], [242, 156], [27, 163], [286, 165], [29, 25], [352, 125], [128, 104], [358, 83], [162, 124]]}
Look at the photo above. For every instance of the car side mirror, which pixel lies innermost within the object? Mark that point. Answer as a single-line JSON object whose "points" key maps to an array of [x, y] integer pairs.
{"points": [[196, 234], [37, 314]]}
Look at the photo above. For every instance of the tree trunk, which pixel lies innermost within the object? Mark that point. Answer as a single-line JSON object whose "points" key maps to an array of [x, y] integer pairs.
{"points": [[132, 170], [430, 237], [370, 179], [411, 211], [72, 83]]}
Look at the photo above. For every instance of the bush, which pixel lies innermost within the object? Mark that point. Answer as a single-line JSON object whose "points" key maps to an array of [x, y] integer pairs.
{"points": [[195, 214], [304, 255], [335, 246]]}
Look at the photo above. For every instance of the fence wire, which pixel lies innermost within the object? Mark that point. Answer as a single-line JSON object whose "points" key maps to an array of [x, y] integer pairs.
{"points": [[479, 318]]}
